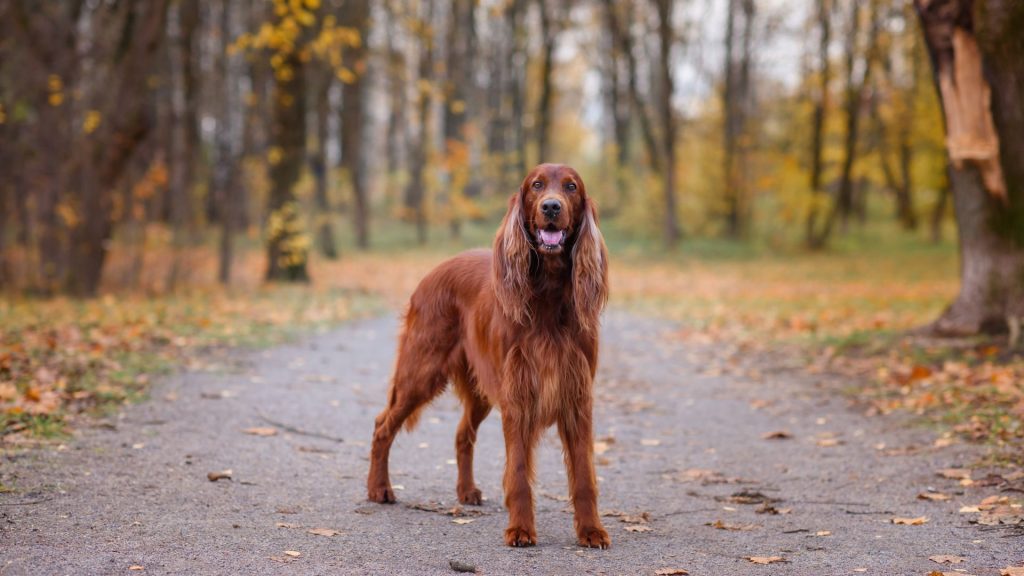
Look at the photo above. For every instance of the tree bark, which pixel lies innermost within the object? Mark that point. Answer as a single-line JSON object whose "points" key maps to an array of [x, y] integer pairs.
{"points": [[736, 105], [107, 154], [356, 15], [321, 166], [978, 63], [287, 246], [415, 190], [549, 37], [816, 235], [665, 39]]}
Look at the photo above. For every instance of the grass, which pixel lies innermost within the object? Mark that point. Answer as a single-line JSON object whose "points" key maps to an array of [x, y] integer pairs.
{"points": [[852, 304]]}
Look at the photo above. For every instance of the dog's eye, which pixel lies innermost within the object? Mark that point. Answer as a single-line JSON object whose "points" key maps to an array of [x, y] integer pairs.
{"points": [[537, 184], [571, 186]]}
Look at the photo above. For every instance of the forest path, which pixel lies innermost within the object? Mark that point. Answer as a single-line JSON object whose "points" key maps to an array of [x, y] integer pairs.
{"points": [[680, 442]]}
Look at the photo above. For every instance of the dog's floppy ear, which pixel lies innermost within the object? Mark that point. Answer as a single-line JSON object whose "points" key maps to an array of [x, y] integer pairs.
{"points": [[589, 269], [512, 263]]}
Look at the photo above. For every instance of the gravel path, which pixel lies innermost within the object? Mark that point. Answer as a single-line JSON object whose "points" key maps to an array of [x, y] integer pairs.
{"points": [[681, 440]]}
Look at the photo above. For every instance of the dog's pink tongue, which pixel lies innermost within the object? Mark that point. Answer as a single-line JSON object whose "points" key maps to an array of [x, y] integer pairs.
{"points": [[551, 237]]}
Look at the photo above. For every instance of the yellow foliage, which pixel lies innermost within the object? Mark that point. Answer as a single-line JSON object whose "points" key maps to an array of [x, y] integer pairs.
{"points": [[346, 75], [56, 99], [3, 114], [92, 121], [275, 155]]}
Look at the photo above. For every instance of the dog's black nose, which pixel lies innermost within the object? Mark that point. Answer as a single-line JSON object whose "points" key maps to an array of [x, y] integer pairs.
{"points": [[551, 208]]}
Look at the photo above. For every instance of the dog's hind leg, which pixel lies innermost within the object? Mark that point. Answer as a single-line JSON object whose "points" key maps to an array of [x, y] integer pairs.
{"points": [[420, 376], [474, 410]]}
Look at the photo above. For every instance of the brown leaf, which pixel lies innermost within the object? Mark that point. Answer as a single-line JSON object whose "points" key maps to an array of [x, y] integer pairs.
{"points": [[221, 475], [946, 559], [765, 559], [639, 528], [286, 525], [323, 532], [136, 567], [829, 442], [910, 521], [462, 520], [261, 431], [292, 553], [671, 572], [933, 496], [777, 435], [1012, 571], [735, 527], [955, 473]]}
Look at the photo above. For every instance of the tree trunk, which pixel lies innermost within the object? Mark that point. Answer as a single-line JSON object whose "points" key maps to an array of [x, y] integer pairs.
{"points": [[979, 71], [184, 134], [356, 15], [459, 68], [287, 245], [816, 235], [321, 166], [108, 152], [736, 105], [549, 36], [618, 104], [225, 178], [665, 40], [415, 190]]}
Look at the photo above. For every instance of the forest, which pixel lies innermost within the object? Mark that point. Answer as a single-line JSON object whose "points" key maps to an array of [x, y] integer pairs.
{"points": [[167, 147]]}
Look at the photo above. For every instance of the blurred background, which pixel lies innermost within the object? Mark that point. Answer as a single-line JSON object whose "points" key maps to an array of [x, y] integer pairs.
{"points": [[178, 175], [173, 143]]}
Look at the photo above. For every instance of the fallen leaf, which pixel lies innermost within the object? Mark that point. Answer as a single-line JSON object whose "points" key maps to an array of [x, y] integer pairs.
{"points": [[286, 525], [292, 553], [777, 435], [462, 520], [323, 532], [720, 525], [946, 559], [823, 533], [261, 431], [600, 447], [910, 521], [955, 473], [860, 569], [222, 475], [1012, 571], [829, 442], [768, 508], [765, 559], [671, 572], [933, 496], [136, 567], [639, 528], [650, 442]]}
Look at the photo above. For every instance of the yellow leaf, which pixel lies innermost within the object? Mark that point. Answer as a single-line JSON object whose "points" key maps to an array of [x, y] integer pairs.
{"points": [[346, 75], [910, 521], [56, 99], [766, 559], [92, 121]]}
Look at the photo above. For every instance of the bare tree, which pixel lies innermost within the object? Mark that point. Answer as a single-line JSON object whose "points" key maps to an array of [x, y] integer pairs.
{"points": [[356, 15]]}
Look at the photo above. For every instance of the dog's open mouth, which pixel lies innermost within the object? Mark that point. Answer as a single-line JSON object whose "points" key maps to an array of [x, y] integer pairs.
{"points": [[550, 239]]}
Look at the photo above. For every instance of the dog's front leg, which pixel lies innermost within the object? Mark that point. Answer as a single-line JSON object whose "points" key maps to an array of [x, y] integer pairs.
{"points": [[577, 431], [519, 444]]}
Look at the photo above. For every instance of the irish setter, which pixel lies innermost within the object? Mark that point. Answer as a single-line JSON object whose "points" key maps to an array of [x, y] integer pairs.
{"points": [[514, 327]]}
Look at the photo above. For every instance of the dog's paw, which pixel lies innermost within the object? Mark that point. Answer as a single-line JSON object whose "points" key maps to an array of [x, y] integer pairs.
{"points": [[471, 497], [382, 495], [594, 538], [520, 538]]}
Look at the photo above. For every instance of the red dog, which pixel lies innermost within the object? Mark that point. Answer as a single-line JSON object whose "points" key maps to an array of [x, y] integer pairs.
{"points": [[514, 328]]}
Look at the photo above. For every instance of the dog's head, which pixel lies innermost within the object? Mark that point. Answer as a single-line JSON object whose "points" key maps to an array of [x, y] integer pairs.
{"points": [[551, 217]]}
